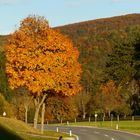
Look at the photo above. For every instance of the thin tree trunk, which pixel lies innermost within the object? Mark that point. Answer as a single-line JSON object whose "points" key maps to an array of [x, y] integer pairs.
{"points": [[42, 118], [103, 117], [109, 113], [124, 116], [83, 109], [36, 116], [26, 114], [118, 118], [84, 115], [26, 105], [38, 104]]}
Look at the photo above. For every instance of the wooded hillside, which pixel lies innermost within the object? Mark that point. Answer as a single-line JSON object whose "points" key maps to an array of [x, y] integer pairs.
{"points": [[96, 40]]}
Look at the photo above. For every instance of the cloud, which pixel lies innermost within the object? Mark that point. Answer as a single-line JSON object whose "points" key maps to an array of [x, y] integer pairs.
{"points": [[13, 2], [8, 1]]}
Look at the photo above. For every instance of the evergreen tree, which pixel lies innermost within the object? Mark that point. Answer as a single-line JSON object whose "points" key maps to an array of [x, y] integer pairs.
{"points": [[120, 64], [137, 58], [123, 66], [4, 88]]}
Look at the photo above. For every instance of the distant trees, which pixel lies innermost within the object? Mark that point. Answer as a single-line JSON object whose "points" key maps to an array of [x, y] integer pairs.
{"points": [[137, 55], [38, 56], [123, 67], [80, 101], [4, 87], [120, 63], [108, 50], [42, 60], [60, 108], [108, 98], [22, 101], [135, 84]]}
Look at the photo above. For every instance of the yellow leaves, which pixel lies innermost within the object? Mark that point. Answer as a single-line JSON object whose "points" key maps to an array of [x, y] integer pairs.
{"points": [[108, 95], [109, 88], [41, 59]]}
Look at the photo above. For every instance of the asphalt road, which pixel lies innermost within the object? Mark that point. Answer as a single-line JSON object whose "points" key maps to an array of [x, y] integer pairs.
{"points": [[85, 133]]}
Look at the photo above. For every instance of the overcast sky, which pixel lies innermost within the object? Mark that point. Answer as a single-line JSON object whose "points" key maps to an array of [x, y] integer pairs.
{"points": [[61, 12]]}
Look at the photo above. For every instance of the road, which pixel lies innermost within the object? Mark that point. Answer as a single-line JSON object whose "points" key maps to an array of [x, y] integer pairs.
{"points": [[85, 133]]}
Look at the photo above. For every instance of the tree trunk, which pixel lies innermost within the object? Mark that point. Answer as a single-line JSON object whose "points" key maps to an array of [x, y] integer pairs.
{"points": [[38, 102], [84, 114], [26, 105], [42, 118], [124, 116], [83, 109], [36, 116], [118, 118], [103, 117], [61, 120], [109, 113], [26, 114]]}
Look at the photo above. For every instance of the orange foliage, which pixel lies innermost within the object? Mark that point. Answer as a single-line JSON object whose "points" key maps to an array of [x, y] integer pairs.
{"points": [[109, 96], [41, 59], [60, 108]]}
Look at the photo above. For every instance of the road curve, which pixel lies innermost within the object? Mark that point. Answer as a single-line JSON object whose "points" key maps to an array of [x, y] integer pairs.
{"points": [[86, 133]]}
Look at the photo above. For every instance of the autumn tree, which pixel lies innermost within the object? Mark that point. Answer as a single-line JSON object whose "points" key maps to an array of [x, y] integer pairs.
{"points": [[60, 108], [42, 60], [108, 98], [123, 66]]}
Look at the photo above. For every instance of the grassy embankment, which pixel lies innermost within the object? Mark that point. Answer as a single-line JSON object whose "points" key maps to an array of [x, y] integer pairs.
{"points": [[129, 126], [18, 130]]}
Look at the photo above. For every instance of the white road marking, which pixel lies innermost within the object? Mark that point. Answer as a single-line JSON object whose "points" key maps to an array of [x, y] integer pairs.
{"points": [[77, 138], [106, 135], [96, 132]]}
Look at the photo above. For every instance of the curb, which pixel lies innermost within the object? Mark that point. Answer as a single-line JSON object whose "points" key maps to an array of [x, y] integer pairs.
{"points": [[76, 137], [43, 136], [69, 138]]}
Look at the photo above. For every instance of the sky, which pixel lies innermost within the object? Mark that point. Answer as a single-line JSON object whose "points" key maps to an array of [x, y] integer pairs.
{"points": [[61, 12]]}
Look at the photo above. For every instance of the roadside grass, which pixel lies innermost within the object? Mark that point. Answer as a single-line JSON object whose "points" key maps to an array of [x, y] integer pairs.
{"points": [[55, 134], [129, 126], [18, 130]]}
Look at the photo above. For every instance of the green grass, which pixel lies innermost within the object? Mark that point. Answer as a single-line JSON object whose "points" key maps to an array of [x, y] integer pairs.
{"points": [[18, 130], [54, 134], [130, 126]]}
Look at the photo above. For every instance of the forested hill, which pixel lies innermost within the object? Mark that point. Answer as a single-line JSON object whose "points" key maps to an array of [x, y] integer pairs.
{"points": [[95, 39], [103, 24], [95, 31], [3, 39]]}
